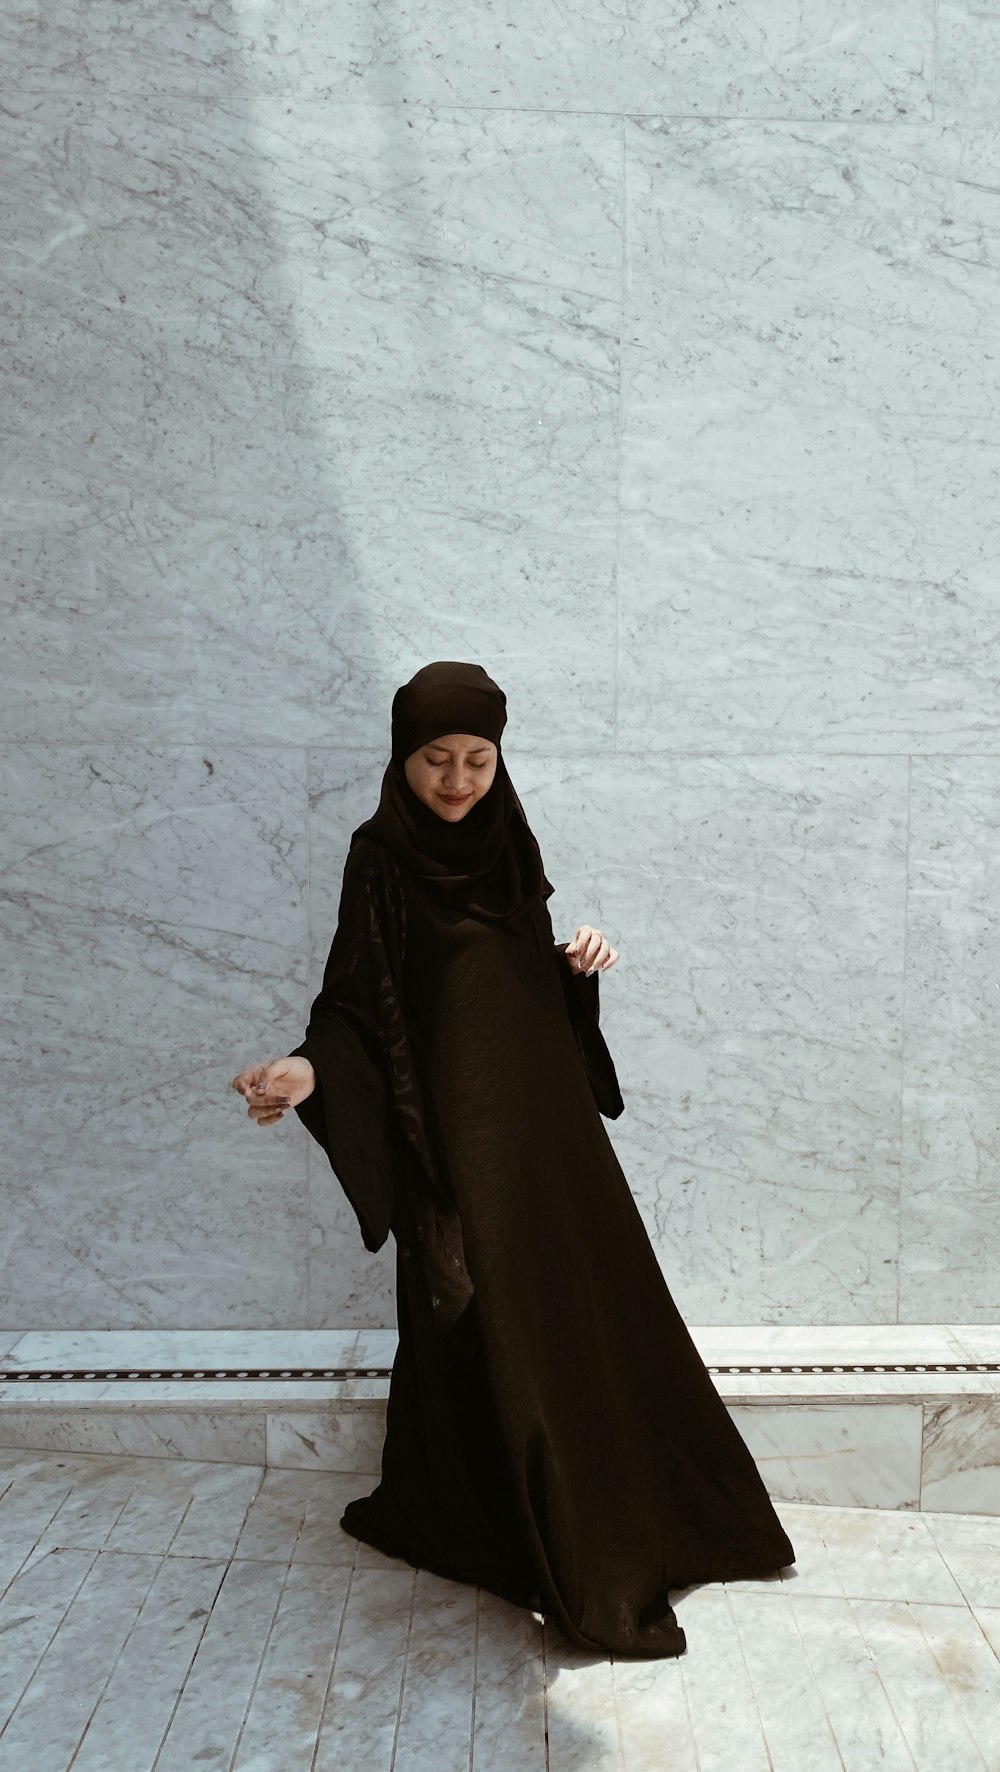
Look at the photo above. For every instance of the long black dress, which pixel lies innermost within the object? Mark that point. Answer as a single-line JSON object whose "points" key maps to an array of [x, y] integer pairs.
{"points": [[553, 1433]]}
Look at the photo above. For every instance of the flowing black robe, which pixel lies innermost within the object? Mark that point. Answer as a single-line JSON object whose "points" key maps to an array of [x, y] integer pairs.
{"points": [[552, 1433]]}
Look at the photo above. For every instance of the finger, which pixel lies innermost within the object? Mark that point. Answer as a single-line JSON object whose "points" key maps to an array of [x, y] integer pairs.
{"points": [[579, 945], [257, 1108], [600, 955], [268, 1089], [261, 1110]]}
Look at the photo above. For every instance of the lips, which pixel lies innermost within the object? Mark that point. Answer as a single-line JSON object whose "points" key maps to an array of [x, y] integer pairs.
{"points": [[454, 799]]}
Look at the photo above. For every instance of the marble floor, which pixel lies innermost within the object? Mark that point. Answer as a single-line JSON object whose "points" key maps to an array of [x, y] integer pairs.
{"points": [[159, 1613]]}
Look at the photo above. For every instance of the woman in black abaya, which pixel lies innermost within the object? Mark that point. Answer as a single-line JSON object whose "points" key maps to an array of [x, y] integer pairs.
{"points": [[552, 1432]]}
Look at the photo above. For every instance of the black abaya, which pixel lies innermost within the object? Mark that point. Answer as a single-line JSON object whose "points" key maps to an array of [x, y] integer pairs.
{"points": [[553, 1433]]}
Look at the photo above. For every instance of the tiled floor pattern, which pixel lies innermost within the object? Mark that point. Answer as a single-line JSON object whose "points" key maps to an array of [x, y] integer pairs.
{"points": [[160, 1615]]}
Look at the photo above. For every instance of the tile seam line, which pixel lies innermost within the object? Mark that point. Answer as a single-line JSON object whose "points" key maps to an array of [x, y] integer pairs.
{"points": [[328, 1688], [434, 107], [98, 1702], [265, 1646], [622, 276], [243, 747], [8, 1720], [900, 1116]]}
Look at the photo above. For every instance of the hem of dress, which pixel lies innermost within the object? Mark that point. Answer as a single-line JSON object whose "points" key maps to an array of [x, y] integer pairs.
{"points": [[389, 1547]]}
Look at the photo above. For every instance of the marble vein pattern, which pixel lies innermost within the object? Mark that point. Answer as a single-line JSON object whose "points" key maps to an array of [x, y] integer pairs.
{"points": [[647, 357], [173, 1613]]}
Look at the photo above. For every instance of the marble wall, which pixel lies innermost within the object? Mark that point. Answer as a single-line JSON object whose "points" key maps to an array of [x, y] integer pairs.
{"points": [[649, 357]]}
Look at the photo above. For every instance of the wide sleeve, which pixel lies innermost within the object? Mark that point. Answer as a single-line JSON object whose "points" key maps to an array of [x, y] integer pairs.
{"points": [[366, 1110], [583, 1002]]}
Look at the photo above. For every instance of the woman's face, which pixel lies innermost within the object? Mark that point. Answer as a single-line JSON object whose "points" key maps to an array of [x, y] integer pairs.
{"points": [[450, 774]]}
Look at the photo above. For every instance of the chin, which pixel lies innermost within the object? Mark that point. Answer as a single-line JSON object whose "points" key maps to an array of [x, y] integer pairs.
{"points": [[454, 812]]}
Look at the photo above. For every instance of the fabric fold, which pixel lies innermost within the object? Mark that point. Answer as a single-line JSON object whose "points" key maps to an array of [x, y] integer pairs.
{"points": [[583, 1002]]}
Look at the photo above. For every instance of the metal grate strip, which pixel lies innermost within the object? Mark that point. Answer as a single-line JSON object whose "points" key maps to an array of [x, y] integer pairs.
{"points": [[206, 1374]]}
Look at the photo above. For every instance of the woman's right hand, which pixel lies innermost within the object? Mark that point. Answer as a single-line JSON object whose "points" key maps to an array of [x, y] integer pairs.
{"points": [[271, 1089]]}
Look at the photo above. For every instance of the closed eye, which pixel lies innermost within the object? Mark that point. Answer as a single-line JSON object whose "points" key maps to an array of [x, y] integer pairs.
{"points": [[439, 764]]}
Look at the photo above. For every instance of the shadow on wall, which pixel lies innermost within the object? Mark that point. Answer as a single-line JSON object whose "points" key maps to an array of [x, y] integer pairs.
{"points": [[190, 616]]}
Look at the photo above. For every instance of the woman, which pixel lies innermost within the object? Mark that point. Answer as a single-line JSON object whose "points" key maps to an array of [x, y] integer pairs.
{"points": [[552, 1432]]}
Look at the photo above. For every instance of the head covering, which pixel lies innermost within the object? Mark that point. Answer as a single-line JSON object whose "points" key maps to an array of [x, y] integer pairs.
{"points": [[488, 862]]}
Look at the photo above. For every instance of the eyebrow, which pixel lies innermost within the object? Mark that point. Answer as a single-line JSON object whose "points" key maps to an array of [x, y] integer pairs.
{"points": [[474, 752]]}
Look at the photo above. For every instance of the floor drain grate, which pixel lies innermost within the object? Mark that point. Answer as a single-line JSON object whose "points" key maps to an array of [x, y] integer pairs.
{"points": [[209, 1374], [190, 1374]]}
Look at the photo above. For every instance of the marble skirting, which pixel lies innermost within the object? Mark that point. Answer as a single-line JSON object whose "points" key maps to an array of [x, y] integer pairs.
{"points": [[883, 1416]]}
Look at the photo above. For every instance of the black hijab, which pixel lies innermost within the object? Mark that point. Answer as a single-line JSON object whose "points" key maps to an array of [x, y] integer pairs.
{"points": [[488, 862]]}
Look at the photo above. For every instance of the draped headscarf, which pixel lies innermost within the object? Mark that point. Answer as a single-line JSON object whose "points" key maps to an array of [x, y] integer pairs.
{"points": [[488, 862]]}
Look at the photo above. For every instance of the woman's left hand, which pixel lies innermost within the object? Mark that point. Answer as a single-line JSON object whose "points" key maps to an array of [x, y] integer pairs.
{"points": [[590, 951]]}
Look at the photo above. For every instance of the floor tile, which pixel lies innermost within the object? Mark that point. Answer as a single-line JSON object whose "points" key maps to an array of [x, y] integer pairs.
{"points": [[186, 1613]]}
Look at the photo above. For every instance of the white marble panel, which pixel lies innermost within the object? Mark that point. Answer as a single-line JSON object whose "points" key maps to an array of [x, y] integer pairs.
{"points": [[979, 1340], [371, 1658], [792, 1715], [226, 46], [204, 1432], [949, 1225], [925, 1706], [862, 1552], [798, 385], [321, 368], [988, 1619], [345, 1439], [322, 1539], [206, 1726], [40, 43], [439, 1693], [291, 1506], [132, 1712], [971, 1553], [775, 58], [92, 45], [31, 1613], [960, 1644], [174, 954], [176, 1507], [300, 377], [805, 1343], [861, 1455], [509, 1727], [581, 1714], [188, 1348], [949, 1233], [961, 1455], [376, 1347], [241, 1395], [858, 1713], [953, 933], [653, 1709], [285, 1712], [724, 1717], [90, 1512], [966, 58], [54, 1705], [772, 867], [755, 1014]]}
